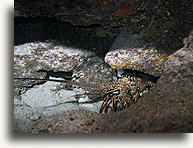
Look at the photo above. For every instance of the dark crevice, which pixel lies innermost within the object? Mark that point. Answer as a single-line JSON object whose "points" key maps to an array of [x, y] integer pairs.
{"points": [[58, 74], [33, 29], [141, 75]]}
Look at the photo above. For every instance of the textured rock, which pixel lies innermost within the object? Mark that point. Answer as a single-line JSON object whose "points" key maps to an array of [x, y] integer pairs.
{"points": [[163, 23], [76, 121], [147, 60], [167, 107], [128, 39], [35, 99], [31, 58], [140, 59], [77, 12], [47, 56]]}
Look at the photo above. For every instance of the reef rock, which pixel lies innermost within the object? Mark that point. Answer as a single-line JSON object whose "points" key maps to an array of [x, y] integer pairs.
{"points": [[47, 56], [166, 107], [140, 59], [35, 99]]}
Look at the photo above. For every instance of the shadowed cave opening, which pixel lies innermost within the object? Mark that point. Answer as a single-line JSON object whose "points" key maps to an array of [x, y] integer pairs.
{"points": [[42, 28]]}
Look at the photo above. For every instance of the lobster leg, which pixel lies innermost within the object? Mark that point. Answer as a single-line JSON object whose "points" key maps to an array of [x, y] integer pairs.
{"points": [[113, 103], [104, 103], [136, 96], [126, 103], [107, 103]]}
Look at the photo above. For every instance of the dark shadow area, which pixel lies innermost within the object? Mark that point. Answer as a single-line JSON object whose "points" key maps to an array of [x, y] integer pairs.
{"points": [[141, 75], [41, 28], [58, 74]]}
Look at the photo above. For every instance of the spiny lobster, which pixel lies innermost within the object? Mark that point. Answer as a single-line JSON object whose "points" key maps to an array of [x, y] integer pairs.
{"points": [[116, 95]]}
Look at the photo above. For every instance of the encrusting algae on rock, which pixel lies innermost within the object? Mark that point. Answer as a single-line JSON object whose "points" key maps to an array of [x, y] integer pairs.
{"points": [[140, 59]]}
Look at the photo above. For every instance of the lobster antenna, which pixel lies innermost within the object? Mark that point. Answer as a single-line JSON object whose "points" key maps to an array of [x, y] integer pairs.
{"points": [[94, 86]]}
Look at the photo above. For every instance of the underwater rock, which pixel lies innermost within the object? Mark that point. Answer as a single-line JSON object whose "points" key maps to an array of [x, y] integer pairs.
{"points": [[35, 99], [140, 59], [39, 57], [181, 59], [128, 39], [47, 56], [165, 108]]}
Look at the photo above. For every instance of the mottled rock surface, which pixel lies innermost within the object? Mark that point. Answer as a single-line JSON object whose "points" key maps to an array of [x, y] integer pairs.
{"points": [[31, 58], [160, 23], [147, 60], [36, 99], [156, 24], [128, 39], [46, 56], [167, 107]]}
